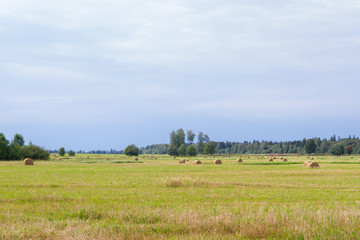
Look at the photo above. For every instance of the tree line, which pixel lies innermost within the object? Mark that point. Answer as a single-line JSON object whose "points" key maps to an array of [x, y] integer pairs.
{"points": [[334, 145], [17, 150]]}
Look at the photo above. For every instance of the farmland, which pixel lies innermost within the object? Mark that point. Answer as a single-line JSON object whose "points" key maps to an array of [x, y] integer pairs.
{"points": [[88, 197]]}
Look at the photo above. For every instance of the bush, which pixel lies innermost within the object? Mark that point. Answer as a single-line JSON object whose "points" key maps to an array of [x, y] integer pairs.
{"points": [[34, 152], [132, 150], [71, 153], [191, 150], [337, 149]]}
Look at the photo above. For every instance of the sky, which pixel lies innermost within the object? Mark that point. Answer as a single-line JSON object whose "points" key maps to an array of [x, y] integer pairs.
{"points": [[91, 74]]}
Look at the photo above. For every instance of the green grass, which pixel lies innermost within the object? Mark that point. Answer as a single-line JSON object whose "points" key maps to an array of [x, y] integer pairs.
{"points": [[91, 198]]}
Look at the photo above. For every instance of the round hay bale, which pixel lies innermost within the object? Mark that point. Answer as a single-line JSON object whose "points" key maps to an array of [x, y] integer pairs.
{"points": [[59, 159], [271, 160], [106, 159], [173, 157], [217, 161], [197, 162], [136, 159], [306, 163], [284, 160], [182, 161], [28, 161], [312, 165], [239, 160], [311, 158]]}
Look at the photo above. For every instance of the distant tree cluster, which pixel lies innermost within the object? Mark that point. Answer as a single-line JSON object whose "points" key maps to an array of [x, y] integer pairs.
{"points": [[336, 146], [305, 146], [17, 150], [178, 146]]}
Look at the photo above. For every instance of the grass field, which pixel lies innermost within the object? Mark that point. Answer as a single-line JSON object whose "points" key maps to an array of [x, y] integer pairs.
{"points": [[94, 198]]}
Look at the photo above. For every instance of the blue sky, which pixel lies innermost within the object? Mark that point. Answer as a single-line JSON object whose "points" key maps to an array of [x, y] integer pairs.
{"points": [[91, 74]]}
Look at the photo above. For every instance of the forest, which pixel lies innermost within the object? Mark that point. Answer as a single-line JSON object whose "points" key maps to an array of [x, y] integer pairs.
{"points": [[351, 145]]}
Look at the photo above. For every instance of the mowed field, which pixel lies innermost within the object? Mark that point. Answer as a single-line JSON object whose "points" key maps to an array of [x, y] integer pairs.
{"points": [[118, 198]]}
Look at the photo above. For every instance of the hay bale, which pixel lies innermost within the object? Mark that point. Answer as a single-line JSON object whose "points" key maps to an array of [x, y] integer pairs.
{"points": [[197, 162], [239, 160], [284, 160], [106, 159], [136, 159], [173, 157], [217, 161], [182, 161], [311, 158], [312, 165], [28, 161], [306, 163], [59, 159], [271, 160]]}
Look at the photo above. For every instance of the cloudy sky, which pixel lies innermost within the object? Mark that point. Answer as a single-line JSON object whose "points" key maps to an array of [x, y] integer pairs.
{"points": [[91, 74]]}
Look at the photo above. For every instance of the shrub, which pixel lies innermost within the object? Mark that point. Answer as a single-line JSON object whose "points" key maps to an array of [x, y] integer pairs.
{"points": [[132, 150], [34, 152], [71, 153]]}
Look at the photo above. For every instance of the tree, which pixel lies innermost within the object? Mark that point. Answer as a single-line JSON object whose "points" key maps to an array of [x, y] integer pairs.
{"points": [[310, 146], [62, 151], [209, 148], [71, 153], [182, 150], [206, 138], [177, 138], [180, 134], [132, 150], [173, 138], [349, 149], [190, 136], [172, 150], [200, 145], [4, 147], [191, 151], [18, 140], [337, 149]]}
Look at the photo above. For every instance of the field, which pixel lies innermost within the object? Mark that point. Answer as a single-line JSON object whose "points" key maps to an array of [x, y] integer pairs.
{"points": [[118, 198]]}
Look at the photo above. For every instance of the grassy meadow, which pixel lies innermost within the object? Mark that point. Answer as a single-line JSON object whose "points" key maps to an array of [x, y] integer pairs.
{"points": [[88, 197]]}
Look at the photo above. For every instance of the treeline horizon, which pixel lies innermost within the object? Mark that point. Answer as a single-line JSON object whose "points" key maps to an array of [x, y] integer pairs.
{"points": [[323, 146]]}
